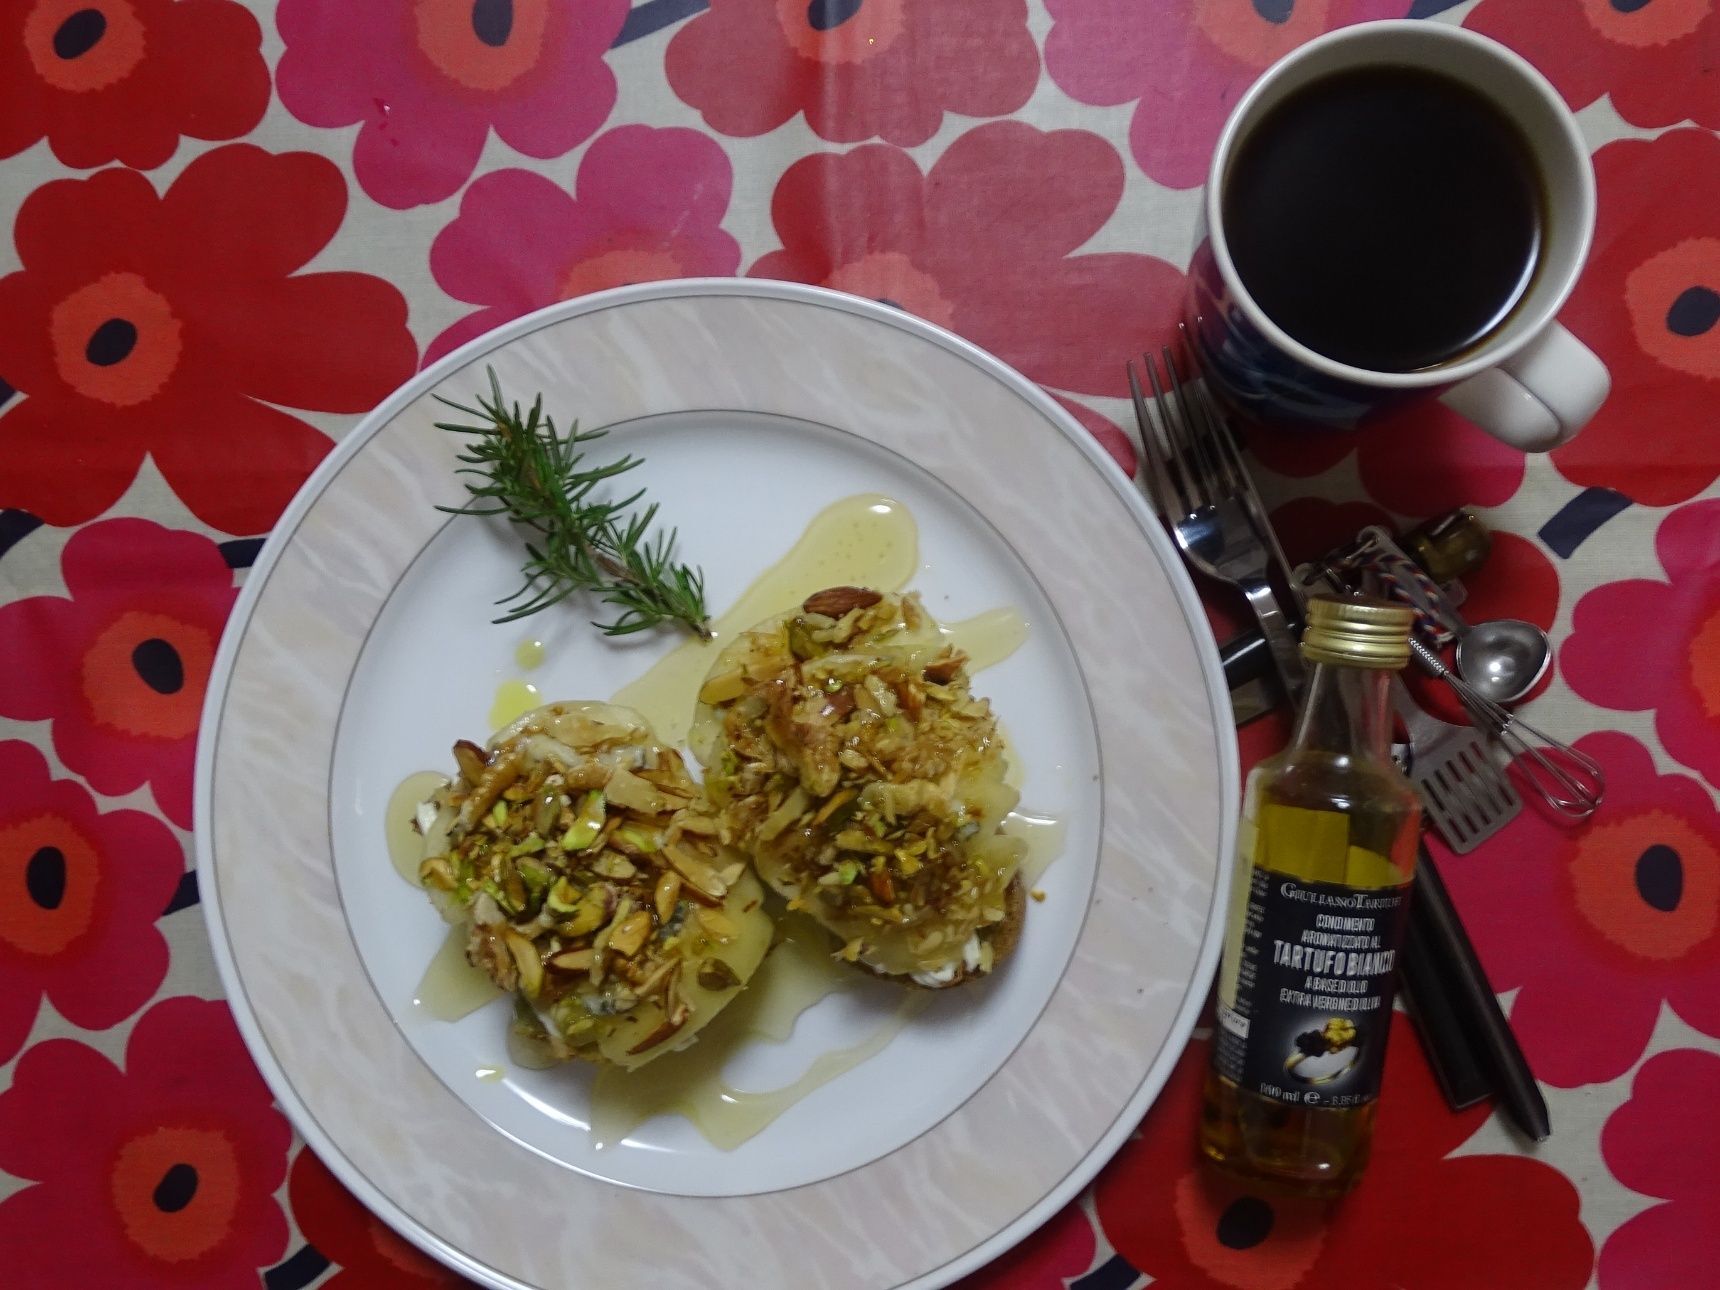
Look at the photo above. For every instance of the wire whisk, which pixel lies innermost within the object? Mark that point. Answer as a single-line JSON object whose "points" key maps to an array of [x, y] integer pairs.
{"points": [[1570, 782]]}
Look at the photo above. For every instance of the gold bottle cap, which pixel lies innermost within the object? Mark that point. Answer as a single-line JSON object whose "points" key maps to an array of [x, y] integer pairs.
{"points": [[1357, 632]]}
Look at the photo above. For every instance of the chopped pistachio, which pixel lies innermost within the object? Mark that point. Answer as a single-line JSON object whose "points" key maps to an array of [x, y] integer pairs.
{"points": [[640, 837], [562, 898], [584, 830]]}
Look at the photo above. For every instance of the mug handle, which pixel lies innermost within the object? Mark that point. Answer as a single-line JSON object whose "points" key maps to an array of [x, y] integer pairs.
{"points": [[1538, 398]]}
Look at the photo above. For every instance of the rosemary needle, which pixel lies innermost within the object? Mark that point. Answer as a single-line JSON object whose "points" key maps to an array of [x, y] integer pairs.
{"points": [[537, 477]]}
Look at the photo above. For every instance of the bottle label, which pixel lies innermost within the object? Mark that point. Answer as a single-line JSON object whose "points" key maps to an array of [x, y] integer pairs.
{"points": [[1303, 1021]]}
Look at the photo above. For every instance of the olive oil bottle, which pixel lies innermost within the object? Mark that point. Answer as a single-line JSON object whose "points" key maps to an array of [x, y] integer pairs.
{"points": [[1326, 851]]}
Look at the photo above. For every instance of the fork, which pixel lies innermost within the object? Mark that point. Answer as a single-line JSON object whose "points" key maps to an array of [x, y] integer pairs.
{"points": [[1195, 478]]}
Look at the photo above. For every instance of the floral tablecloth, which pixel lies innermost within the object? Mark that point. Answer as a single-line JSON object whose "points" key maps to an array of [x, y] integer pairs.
{"points": [[234, 228]]}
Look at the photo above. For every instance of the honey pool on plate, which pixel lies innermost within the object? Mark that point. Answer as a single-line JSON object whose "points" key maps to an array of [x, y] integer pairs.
{"points": [[865, 540]]}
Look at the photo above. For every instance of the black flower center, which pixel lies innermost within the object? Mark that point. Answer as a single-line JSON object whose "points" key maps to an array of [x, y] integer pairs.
{"points": [[176, 1188], [1629, 6], [159, 664], [45, 877], [1694, 312], [827, 15], [1276, 12], [1660, 877], [493, 21], [111, 342], [1245, 1223], [78, 34]]}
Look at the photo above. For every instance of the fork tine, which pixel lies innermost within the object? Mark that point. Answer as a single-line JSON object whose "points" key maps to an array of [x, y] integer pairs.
{"points": [[1168, 455], [1152, 468], [1211, 425], [1241, 482], [1204, 481], [1158, 472]]}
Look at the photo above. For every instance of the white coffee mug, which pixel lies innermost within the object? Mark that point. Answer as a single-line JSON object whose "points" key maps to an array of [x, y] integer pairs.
{"points": [[1530, 384]]}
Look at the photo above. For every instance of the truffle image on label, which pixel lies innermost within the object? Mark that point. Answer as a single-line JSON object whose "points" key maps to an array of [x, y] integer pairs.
{"points": [[1323, 1055]]}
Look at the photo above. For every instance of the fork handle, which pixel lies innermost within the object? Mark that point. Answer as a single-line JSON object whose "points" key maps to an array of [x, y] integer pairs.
{"points": [[1280, 635]]}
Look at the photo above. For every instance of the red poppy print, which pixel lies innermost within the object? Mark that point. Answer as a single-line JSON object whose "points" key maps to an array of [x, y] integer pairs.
{"points": [[175, 326], [1649, 304], [122, 80], [119, 666], [426, 81], [1671, 665], [1625, 912], [1053, 1255], [1663, 1143], [1186, 67], [162, 1173], [648, 205], [858, 69], [1110, 435], [83, 891], [1653, 59], [366, 1251], [1418, 461], [983, 244], [1184, 1224]]}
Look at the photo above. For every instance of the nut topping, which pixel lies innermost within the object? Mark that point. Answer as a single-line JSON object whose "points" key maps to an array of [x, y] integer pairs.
{"points": [[834, 602]]}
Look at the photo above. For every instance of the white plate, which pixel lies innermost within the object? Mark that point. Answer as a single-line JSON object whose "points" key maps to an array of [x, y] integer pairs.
{"points": [[362, 648]]}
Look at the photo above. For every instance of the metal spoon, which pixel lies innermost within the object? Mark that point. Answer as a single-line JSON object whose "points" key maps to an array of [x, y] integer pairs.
{"points": [[1504, 658]]}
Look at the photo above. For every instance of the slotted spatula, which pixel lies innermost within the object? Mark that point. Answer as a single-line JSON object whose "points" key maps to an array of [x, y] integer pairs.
{"points": [[1465, 795]]}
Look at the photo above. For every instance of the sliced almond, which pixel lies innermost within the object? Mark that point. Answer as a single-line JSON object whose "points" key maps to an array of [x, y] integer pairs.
{"points": [[471, 760], [833, 803], [723, 687], [526, 958], [612, 865], [630, 936], [833, 602], [717, 924], [667, 894], [496, 777], [630, 792], [573, 960], [701, 875], [657, 980], [436, 872], [664, 1031], [944, 670]]}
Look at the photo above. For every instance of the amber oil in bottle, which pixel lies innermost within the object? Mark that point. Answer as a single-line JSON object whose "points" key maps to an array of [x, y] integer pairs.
{"points": [[1326, 851]]}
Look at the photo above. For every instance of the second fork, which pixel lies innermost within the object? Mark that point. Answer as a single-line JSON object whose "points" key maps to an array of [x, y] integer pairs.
{"points": [[1195, 478]]}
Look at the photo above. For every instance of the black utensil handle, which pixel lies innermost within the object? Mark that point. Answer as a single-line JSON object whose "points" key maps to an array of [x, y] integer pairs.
{"points": [[1246, 658], [1457, 1066], [1473, 999]]}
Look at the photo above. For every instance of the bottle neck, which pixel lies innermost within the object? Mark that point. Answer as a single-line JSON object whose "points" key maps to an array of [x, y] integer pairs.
{"points": [[1346, 710]]}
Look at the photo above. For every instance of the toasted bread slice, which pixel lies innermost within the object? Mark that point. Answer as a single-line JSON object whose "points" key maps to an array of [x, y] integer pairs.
{"points": [[845, 751], [582, 860]]}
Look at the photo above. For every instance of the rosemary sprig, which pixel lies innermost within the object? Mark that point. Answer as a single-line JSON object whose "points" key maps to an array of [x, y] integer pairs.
{"points": [[536, 476]]}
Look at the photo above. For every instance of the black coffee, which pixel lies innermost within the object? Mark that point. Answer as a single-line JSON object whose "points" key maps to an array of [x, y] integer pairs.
{"points": [[1388, 217]]}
